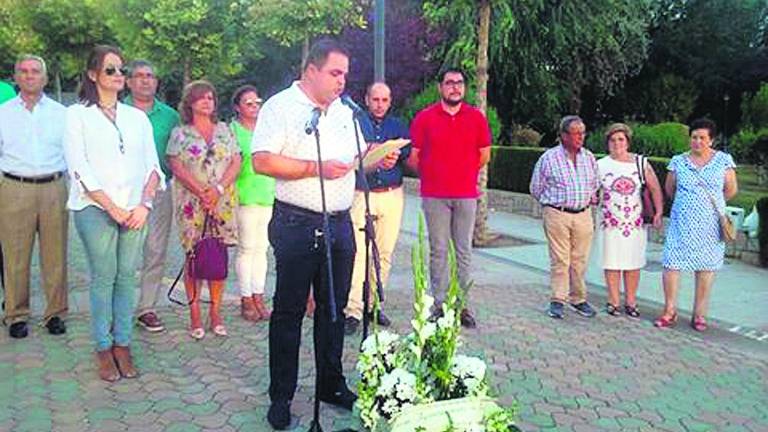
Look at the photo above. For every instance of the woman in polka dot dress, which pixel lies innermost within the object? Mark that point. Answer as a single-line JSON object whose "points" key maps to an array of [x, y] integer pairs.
{"points": [[693, 240]]}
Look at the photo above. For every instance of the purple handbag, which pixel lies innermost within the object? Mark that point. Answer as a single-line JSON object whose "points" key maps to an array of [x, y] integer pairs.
{"points": [[208, 259]]}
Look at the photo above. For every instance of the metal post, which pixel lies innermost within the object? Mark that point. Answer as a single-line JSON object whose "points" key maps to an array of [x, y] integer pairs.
{"points": [[379, 71], [726, 98]]}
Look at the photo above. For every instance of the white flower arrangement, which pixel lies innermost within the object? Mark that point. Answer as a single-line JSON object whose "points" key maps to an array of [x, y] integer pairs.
{"points": [[398, 373]]}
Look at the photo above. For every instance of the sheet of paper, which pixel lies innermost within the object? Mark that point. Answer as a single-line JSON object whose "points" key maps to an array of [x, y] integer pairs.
{"points": [[376, 154]]}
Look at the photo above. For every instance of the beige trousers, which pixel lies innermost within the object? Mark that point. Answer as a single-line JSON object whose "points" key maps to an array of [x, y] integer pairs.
{"points": [[26, 210], [387, 211], [570, 238]]}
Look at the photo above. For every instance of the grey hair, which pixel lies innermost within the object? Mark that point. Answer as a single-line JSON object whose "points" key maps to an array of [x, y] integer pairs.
{"points": [[567, 121], [37, 58], [139, 63]]}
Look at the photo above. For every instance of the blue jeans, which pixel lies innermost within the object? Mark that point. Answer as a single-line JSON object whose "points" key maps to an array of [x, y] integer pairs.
{"points": [[112, 252]]}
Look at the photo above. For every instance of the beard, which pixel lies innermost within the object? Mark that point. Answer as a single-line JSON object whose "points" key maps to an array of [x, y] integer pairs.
{"points": [[450, 102]]}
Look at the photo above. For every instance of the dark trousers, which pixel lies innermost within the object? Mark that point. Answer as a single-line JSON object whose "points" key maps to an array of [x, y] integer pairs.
{"points": [[298, 242]]}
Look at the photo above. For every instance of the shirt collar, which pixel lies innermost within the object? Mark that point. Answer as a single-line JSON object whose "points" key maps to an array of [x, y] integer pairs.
{"points": [[301, 97], [20, 102], [565, 152], [155, 105]]}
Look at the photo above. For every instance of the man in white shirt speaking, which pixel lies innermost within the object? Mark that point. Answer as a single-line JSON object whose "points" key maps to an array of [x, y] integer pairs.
{"points": [[285, 148], [33, 193]]}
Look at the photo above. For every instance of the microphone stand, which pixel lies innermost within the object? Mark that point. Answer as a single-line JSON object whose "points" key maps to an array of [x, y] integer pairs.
{"points": [[371, 248], [315, 425]]}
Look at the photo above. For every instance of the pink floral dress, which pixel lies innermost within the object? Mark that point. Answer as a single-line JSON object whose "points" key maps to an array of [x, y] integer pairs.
{"points": [[621, 232], [207, 163]]}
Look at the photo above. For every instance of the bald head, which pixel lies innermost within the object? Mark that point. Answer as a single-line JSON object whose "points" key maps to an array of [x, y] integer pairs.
{"points": [[378, 98]]}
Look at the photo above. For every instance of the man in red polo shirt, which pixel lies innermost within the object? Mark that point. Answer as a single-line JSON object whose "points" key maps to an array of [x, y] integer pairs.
{"points": [[450, 143]]}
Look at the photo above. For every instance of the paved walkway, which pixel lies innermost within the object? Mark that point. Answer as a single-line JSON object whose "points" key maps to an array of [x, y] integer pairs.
{"points": [[576, 375]]}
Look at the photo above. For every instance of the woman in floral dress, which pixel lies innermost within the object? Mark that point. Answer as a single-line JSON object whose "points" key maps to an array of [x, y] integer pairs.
{"points": [[205, 160], [623, 233]]}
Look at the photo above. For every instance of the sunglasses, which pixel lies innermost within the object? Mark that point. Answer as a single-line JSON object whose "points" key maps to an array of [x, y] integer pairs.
{"points": [[112, 70], [254, 102]]}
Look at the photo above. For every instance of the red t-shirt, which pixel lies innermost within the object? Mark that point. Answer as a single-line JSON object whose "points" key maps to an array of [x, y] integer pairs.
{"points": [[449, 150]]}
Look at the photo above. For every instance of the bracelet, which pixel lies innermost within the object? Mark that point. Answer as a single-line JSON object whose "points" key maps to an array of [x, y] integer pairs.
{"points": [[220, 188]]}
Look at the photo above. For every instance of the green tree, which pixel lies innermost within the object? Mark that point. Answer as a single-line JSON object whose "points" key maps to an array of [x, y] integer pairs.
{"points": [[195, 38], [16, 38], [65, 30], [290, 22]]}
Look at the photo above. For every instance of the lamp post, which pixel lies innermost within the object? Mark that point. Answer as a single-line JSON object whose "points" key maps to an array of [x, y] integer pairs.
{"points": [[378, 42], [726, 98]]}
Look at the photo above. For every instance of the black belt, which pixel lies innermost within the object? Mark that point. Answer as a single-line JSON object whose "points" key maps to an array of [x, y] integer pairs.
{"points": [[290, 208], [35, 180], [566, 209]]}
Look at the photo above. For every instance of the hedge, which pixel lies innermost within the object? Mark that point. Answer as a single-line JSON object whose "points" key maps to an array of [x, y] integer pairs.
{"points": [[662, 139], [762, 236], [511, 168]]}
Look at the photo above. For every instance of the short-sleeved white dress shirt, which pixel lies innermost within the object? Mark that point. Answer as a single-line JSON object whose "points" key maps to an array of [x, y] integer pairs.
{"points": [[281, 130]]}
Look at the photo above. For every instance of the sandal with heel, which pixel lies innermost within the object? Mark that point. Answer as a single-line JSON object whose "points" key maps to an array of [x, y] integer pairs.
{"points": [[666, 321], [699, 324]]}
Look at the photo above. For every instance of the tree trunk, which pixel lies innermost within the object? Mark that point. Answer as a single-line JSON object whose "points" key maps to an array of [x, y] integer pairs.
{"points": [[304, 51], [57, 85], [481, 235], [187, 74]]}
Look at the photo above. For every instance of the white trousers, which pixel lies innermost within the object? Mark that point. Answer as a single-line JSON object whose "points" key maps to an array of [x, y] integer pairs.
{"points": [[252, 247]]}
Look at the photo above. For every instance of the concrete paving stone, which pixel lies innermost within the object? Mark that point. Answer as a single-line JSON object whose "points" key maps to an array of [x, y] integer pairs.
{"points": [[228, 395], [108, 426], [160, 406], [202, 409], [142, 420], [182, 427], [697, 426], [172, 416], [211, 421]]}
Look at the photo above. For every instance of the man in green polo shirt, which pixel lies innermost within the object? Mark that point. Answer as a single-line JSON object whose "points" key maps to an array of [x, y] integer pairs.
{"points": [[142, 83], [6, 92]]}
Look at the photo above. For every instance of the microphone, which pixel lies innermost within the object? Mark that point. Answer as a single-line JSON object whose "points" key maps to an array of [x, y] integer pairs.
{"points": [[312, 123], [346, 100]]}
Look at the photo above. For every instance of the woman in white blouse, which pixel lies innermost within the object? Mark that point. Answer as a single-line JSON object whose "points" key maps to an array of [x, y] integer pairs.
{"points": [[114, 172]]}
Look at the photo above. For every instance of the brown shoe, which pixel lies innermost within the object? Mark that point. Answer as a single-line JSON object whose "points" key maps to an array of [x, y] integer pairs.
{"points": [[123, 360], [248, 310], [467, 319], [105, 364], [261, 307]]}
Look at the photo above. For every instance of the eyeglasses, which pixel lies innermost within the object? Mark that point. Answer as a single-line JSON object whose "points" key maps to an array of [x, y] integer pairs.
{"points": [[254, 102], [112, 70], [452, 83], [577, 133]]}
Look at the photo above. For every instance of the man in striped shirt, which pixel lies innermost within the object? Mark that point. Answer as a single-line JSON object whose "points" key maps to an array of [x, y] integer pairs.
{"points": [[565, 182]]}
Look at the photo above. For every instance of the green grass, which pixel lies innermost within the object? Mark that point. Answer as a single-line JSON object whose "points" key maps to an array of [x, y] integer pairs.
{"points": [[749, 191]]}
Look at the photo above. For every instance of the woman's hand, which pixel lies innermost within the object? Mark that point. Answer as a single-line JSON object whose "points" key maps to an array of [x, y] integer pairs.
{"points": [[137, 218], [209, 198], [118, 214], [657, 220]]}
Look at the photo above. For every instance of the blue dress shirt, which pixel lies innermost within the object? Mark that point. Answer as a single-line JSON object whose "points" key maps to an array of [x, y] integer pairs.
{"points": [[378, 132]]}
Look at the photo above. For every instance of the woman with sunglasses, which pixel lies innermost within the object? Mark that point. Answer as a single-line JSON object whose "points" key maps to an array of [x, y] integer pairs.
{"points": [[113, 165], [256, 194], [205, 160]]}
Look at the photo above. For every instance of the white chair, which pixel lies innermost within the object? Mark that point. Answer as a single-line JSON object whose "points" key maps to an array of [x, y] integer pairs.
{"points": [[750, 227]]}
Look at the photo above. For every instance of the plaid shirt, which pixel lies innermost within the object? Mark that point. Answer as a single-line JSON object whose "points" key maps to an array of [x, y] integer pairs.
{"points": [[557, 182]]}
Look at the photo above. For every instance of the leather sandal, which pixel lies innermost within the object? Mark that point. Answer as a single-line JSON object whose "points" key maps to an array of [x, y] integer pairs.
{"points": [[665, 321], [612, 310], [105, 364], [261, 307], [699, 323], [197, 333], [248, 309], [124, 362]]}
